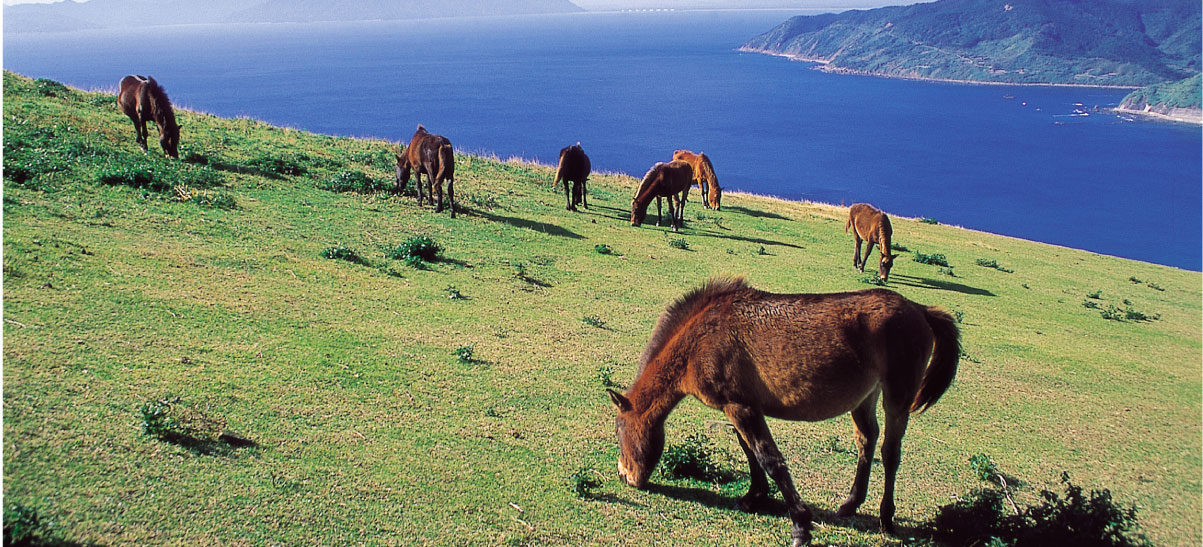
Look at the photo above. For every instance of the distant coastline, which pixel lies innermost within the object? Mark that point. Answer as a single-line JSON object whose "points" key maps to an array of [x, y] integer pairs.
{"points": [[825, 66], [1196, 118]]}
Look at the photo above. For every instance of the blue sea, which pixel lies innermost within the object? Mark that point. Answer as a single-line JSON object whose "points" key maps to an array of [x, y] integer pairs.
{"points": [[633, 87]]}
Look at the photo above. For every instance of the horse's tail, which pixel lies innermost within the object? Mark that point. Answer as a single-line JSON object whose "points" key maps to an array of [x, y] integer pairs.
{"points": [[943, 367], [446, 163], [848, 224], [560, 169]]}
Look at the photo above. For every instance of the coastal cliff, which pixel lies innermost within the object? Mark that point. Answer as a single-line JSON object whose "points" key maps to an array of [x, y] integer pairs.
{"points": [[1180, 101], [1120, 43]]}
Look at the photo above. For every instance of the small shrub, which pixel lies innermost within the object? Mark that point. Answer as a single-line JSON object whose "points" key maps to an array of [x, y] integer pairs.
{"points": [[50, 88], [679, 244], [603, 249], [419, 248], [1134, 315], [582, 483], [899, 248], [692, 459], [958, 315], [983, 467], [1135, 280], [453, 293], [991, 263], [1095, 295], [342, 252], [593, 321], [935, 259], [761, 251], [216, 200], [948, 271], [464, 354], [486, 201], [929, 220], [1155, 286], [353, 181], [1112, 313], [157, 420], [278, 165]]}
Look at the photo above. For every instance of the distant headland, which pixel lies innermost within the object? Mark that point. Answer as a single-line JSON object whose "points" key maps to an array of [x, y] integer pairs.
{"points": [[1105, 43]]}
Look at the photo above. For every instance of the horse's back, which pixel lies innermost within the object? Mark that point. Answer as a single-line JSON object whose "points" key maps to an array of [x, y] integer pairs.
{"points": [[573, 165], [865, 219], [809, 356]]}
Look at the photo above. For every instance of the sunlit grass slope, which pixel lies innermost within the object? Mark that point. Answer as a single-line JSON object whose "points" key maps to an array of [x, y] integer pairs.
{"points": [[130, 279]]}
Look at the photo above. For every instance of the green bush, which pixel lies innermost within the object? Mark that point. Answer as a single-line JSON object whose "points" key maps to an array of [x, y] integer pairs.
{"points": [[23, 526], [342, 252], [991, 263], [353, 181], [416, 250], [929, 220], [464, 354], [692, 459], [278, 165], [679, 244], [935, 259]]}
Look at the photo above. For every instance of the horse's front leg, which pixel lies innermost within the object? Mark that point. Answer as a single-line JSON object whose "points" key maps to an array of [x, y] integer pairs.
{"points": [[659, 212], [758, 490], [856, 263], [750, 425], [864, 423], [140, 133], [672, 215]]}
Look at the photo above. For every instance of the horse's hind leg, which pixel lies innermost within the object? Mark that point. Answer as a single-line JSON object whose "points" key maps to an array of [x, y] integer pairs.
{"points": [[438, 188], [568, 199], [864, 422], [584, 194], [891, 457], [750, 425], [451, 195]]}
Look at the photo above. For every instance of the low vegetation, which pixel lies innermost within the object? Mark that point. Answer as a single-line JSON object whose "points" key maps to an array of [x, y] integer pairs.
{"points": [[383, 409]]}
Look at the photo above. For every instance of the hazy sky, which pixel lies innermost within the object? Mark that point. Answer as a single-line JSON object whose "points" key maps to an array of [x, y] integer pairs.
{"points": [[681, 4]]}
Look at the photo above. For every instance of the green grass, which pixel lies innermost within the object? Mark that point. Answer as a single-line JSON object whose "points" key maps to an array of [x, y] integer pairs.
{"points": [[369, 429]]}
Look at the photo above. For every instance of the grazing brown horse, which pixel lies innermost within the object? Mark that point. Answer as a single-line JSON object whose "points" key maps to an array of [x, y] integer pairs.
{"points": [[703, 173], [433, 156], [670, 180], [868, 223], [143, 100], [573, 167], [807, 357]]}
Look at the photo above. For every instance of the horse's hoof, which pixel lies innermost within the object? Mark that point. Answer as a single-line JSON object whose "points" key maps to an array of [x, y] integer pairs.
{"points": [[801, 538], [887, 526], [846, 511], [751, 502]]}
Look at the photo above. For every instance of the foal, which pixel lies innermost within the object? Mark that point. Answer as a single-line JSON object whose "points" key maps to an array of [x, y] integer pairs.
{"points": [[143, 100], [433, 156], [868, 223]]}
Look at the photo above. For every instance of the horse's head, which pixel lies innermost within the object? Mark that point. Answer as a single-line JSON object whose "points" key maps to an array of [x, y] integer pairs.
{"points": [[169, 139], [640, 444], [637, 213], [883, 268], [402, 171], [716, 195]]}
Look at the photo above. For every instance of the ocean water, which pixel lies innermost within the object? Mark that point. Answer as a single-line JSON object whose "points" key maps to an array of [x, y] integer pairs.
{"points": [[633, 87]]}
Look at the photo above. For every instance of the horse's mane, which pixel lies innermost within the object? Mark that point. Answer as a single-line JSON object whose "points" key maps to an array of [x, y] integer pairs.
{"points": [[684, 308], [163, 113], [707, 169], [157, 93]]}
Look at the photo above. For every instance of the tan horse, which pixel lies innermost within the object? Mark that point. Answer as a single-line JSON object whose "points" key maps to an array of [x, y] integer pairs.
{"points": [[810, 357], [573, 167], [670, 180], [433, 156], [703, 173], [144, 100], [868, 223]]}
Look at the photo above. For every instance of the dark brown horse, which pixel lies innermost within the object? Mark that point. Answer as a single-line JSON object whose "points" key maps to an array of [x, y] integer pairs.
{"points": [[573, 167], [703, 173], [805, 357], [670, 180], [868, 223], [433, 156], [143, 100]]}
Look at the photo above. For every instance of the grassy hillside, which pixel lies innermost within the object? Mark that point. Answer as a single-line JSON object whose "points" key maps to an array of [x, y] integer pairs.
{"points": [[130, 280], [1103, 42]]}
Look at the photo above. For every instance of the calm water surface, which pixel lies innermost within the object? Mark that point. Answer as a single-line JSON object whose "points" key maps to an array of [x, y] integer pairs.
{"points": [[634, 87]]}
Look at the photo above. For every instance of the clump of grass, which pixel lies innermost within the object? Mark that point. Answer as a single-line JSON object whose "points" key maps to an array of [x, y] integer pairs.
{"points": [[486, 201], [1155, 286], [958, 315], [170, 420], [1135, 280], [50, 88], [464, 354], [991, 263], [929, 220], [453, 293], [605, 373], [279, 165], [679, 244], [353, 181], [582, 483], [934, 259], [603, 249], [692, 459], [899, 248], [157, 175], [342, 252], [417, 251], [24, 526], [1098, 294], [872, 279], [948, 271], [762, 252], [593, 321]]}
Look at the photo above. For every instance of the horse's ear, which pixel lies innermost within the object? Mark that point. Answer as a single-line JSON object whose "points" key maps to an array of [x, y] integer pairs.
{"points": [[619, 401]]}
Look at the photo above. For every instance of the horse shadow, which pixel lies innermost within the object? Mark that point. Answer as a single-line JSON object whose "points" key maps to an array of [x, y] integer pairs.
{"points": [[542, 227], [775, 506], [925, 283], [756, 213]]}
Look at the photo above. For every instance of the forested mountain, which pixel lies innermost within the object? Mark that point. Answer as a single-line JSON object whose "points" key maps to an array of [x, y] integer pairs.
{"points": [[69, 16], [1096, 42]]}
